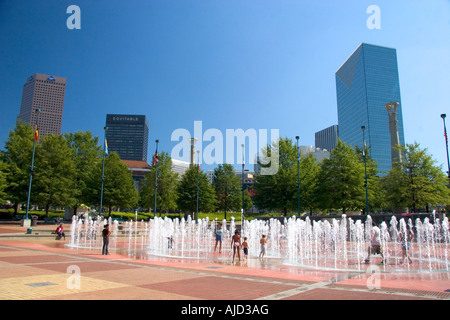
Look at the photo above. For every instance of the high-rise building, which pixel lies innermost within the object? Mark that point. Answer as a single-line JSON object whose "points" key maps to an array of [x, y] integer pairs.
{"points": [[128, 136], [327, 138], [365, 83], [44, 92]]}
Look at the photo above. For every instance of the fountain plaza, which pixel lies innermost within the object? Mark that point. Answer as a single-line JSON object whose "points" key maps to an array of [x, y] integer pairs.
{"points": [[174, 259]]}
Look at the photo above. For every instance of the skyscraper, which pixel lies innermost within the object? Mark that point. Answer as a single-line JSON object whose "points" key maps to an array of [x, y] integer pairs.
{"points": [[128, 136], [327, 138], [44, 92], [365, 83]]}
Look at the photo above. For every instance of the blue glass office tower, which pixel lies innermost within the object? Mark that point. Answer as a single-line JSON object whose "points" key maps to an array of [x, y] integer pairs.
{"points": [[365, 83]]}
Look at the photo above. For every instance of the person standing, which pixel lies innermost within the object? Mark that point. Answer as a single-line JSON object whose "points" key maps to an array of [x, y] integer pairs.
{"points": [[263, 243], [236, 244], [105, 234], [218, 238], [245, 247]]}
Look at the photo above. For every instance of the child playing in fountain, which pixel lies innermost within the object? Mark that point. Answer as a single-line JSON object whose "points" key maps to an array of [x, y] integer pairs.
{"points": [[218, 238], [245, 247], [263, 243], [170, 242], [406, 245]]}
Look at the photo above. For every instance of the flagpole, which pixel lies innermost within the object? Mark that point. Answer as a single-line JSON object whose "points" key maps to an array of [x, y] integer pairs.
{"points": [[363, 128], [155, 163], [103, 171], [443, 116], [36, 133]]}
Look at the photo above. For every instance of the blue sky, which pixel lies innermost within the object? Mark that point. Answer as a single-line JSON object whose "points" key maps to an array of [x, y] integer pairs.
{"points": [[249, 64]]}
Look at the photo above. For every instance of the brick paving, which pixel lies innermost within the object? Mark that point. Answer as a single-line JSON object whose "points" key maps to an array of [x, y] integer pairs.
{"points": [[42, 268]]}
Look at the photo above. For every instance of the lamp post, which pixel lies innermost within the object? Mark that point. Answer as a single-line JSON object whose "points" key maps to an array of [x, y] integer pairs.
{"points": [[446, 145], [363, 128], [243, 165], [155, 163], [32, 162], [298, 178], [198, 172], [105, 152]]}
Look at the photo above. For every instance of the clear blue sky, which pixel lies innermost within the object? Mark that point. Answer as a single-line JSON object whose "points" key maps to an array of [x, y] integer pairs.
{"points": [[261, 64]]}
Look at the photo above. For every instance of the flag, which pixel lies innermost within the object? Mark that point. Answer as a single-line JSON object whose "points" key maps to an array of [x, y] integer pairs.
{"points": [[298, 154], [36, 134], [155, 158], [445, 135], [106, 147]]}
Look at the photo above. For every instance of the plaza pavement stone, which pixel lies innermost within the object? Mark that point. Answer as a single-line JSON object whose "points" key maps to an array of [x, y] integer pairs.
{"points": [[34, 267]]}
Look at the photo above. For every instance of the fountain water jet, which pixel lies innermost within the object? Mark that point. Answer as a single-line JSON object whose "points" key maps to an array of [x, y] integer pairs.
{"points": [[339, 244]]}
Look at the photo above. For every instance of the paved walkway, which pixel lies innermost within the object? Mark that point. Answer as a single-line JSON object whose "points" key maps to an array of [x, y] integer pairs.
{"points": [[39, 267]]}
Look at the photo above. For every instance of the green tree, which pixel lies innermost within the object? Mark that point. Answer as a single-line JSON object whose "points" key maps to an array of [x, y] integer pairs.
{"points": [[248, 202], [17, 156], [187, 192], [227, 187], [416, 181], [375, 190], [86, 153], [2, 181], [341, 180], [278, 191], [54, 181], [166, 185], [309, 170], [118, 187]]}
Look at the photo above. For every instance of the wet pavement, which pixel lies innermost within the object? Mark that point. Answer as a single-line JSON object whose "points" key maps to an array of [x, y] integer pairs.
{"points": [[37, 267]]}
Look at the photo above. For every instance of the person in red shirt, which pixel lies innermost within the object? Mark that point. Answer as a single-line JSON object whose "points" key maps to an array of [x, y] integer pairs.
{"points": [[60, 232]]}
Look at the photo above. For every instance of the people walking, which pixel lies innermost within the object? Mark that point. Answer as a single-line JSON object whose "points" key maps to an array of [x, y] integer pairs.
{"points": [[375, 244]]}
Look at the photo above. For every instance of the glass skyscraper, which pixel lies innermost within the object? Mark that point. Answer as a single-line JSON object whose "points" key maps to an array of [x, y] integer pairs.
{"points": [[365, 83], [327, 138], [128, 136]]}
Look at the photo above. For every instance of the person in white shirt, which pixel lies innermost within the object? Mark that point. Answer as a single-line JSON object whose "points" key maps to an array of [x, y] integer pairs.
{"points": [[375, 244]]}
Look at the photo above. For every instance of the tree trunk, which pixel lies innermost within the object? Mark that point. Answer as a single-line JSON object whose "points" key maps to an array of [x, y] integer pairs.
{"points": [[47, 207]]}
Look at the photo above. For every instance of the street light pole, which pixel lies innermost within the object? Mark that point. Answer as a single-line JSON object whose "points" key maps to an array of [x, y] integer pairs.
{"points": [[298, 178], [446, 145], [105, 152], [32, 162], [198, 172], [243, 165], [155, 163], [363, 128]]}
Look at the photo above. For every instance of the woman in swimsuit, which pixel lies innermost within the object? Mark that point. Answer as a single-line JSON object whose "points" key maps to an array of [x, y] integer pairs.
{"points": [[236, 244]]}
